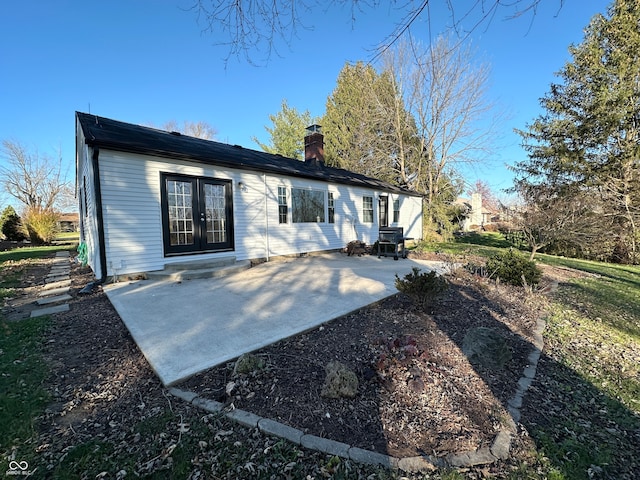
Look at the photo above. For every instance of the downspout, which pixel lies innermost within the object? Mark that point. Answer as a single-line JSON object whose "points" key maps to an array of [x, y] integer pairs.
{"points": [[266, 217], [99, 217]]}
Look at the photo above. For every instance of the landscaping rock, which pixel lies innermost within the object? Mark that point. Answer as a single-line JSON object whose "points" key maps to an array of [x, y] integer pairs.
{"points": [[248, 363], [340, 382]]}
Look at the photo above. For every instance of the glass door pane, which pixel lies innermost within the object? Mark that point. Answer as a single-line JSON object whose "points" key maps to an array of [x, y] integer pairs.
{"points": [[180, 200], [215, 208]]}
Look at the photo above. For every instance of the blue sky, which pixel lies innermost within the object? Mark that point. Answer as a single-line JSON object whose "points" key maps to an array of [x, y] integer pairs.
{"points": [[148, 61]]}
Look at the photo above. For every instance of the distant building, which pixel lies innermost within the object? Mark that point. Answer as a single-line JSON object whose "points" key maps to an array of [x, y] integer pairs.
{"points": [[476, 216], [68, 222]]}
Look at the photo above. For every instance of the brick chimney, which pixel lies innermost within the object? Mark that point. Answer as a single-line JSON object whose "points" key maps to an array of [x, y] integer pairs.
{"points": [[314, 146]]}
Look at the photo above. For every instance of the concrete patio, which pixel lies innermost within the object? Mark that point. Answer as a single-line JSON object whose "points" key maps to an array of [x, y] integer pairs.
{"points": [[186, 327]]}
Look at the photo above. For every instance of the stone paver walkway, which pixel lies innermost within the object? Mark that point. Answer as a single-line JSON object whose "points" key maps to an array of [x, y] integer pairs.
{"points": [[45, 296], [55, 292]]}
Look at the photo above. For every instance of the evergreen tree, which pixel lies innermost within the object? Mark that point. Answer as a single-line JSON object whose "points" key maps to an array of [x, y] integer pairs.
{"points": [[287, 133], [589, 138], [358, 125], [11, 225]]}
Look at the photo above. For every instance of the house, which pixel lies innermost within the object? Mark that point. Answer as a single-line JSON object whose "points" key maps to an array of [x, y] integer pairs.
{"points": [[477, 215], [149, 198], [68, 222]]}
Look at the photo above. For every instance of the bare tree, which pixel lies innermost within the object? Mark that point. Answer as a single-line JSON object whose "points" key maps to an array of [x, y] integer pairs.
{"points": [[198, 129], [255, 27], [36, 180], [444, 92], [548, 219]]}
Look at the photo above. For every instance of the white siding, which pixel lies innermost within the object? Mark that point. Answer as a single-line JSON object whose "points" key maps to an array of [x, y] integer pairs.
{"points": [[130, 187]]}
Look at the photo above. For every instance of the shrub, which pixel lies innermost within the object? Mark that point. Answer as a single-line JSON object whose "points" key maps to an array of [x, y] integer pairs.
{"points": [[11, 225], [423, 288], [512, 267], [41, 225]]}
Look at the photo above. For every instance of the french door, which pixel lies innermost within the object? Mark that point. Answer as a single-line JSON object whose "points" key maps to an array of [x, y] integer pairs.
{"points": [[197, 214]]}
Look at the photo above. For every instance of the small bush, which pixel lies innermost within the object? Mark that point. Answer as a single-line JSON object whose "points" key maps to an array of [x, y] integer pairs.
{"points": [[41, 225], [423, 288], [512, 267], [340, 382]]}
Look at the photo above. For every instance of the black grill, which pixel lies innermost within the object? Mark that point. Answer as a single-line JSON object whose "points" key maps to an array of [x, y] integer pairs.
{"points": [[391, 240]]}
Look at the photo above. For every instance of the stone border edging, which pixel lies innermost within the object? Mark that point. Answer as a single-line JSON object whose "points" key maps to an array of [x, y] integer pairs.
{"points": [[499, 450]]}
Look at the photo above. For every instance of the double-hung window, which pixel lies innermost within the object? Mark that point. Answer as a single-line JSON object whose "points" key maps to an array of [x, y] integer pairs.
{"points": [[367, 209], [282, 205], [396, 210]]}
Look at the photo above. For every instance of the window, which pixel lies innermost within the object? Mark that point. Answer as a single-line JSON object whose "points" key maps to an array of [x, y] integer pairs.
{"points": [[84, 196], [307, 206], [396, 210], [367, 209], [331, 209], [282, 205]]}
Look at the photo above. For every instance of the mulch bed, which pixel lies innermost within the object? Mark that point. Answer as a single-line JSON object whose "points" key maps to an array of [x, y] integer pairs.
{"points": [[417, 392]]}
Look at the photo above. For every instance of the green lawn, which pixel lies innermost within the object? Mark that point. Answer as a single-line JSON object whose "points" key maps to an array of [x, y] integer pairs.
{"points": [[23, 399], [30, 252], [482, 244], [592, 367]]}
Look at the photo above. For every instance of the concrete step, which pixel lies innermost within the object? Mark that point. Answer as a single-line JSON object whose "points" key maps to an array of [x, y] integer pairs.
{"points": [[198, 264], [55, 299], [199, 271]]}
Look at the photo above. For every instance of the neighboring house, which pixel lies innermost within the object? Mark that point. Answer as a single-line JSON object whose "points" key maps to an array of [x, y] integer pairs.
{"points": [[68, 222], [477, 215], [149, 198]]}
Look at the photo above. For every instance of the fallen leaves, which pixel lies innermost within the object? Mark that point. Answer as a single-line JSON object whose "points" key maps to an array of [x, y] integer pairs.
{"points": [[417, 390]]}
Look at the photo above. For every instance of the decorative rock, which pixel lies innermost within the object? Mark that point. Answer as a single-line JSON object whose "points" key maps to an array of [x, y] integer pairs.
{"points": [[418, 464], [469, 459], [340, 382]]}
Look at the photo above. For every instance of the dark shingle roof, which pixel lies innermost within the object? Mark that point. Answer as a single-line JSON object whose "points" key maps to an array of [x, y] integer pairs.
{"points": [[126, 137]]}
